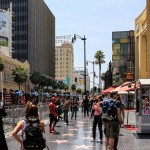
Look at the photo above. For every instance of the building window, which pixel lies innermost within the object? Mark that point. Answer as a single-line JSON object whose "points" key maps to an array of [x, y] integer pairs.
{"points": [[75, 79]]}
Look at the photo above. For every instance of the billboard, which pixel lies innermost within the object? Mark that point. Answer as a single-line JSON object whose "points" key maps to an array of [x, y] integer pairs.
{"points": [[62, 39], [4, 29]]}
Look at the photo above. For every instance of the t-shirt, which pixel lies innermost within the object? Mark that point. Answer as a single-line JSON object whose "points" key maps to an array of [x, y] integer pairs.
{"points": [[52, 108], [97, 109], [86, 102]]}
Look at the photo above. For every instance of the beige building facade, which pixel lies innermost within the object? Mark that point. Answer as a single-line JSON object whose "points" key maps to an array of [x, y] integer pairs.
{"points": [[64, 63], [79, 78], [8, 80], [142, 46]]}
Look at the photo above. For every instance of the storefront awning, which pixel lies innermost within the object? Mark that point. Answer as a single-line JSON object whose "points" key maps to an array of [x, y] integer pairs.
{"points": [[107, 90], [124, 87]]}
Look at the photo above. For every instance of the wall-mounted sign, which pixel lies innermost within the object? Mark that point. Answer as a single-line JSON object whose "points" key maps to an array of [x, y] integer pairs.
{"points": [[63, 39], [4, 29]]}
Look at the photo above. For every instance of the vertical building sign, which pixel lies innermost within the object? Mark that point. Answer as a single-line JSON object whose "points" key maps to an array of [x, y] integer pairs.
{"points": [[5, 33], [4, 29]]}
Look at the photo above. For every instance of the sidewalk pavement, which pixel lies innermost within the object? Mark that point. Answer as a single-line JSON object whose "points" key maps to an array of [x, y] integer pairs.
{"points": [[78, 135]]}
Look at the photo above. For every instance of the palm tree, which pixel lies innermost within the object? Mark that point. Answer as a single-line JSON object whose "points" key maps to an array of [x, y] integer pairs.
{"points": [[20, 75], [99, 59]]}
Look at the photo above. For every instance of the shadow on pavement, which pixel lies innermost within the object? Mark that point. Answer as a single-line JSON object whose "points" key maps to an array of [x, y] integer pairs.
{"points": [[141, 136]]}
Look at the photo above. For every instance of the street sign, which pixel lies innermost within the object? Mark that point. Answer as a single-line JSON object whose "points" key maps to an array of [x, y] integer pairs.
{"points": [[67, 80]]}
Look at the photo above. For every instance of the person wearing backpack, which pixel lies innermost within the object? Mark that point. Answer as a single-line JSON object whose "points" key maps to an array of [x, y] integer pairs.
{"points": [[97, 119], [32, 128], [112, 119]]}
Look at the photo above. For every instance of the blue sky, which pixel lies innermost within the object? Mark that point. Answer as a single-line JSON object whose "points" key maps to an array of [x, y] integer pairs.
{"points": [[96, 19]]}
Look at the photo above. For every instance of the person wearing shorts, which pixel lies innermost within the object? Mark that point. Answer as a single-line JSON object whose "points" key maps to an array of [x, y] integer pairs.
{"points": [[111, 127]]}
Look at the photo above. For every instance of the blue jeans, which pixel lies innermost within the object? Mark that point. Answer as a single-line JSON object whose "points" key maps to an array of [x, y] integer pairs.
{"points": [[74, 110], [66, 116]]}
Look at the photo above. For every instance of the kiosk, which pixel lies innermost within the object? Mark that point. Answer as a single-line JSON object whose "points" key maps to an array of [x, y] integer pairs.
{"points": [[142, 106]]}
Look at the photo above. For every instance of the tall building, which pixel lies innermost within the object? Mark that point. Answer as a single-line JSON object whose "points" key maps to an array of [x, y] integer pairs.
{"points": [[142, 47], [123, 47], [33, 34], [64, 59], [79, 78]]}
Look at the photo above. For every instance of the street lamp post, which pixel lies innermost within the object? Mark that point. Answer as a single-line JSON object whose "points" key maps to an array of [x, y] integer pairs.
{"points": [[83, 39], [93, 72]]}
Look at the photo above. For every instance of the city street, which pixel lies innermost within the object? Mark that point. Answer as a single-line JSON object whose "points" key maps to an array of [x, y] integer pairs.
{"points": [[78, 135]]}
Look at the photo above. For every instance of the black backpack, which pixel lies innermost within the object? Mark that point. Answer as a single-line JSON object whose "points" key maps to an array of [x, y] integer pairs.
{"points": [[109, 110], [33, 135]]}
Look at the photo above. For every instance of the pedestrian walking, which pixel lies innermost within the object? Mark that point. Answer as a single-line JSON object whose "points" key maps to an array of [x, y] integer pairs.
{"points": [[97, 120], [53, 115], [66, 110], [3, 144], [75, 108], [33, 130], [112, 119], [59, 110], [86, 106]]}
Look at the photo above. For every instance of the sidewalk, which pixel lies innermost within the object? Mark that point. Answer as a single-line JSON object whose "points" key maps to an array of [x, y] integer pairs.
{"points": [[78, 135]]}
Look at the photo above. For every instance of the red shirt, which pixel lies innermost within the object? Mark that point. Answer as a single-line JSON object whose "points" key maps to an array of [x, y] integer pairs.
{"points": [[52, 108]]}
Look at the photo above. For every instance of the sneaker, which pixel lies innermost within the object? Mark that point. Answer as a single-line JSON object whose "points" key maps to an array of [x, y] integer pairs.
{"points": [[100, 141], [93, 140]]}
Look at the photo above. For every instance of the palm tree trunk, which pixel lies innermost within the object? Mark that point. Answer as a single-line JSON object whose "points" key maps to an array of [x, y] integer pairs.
{"points": [[100, 84]]}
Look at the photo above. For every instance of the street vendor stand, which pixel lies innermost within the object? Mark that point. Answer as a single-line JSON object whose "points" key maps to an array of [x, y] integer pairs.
{"points": [[142, 106]]}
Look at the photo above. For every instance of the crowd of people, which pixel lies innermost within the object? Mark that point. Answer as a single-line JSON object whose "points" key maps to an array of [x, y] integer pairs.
{"points": [[107, 112]]}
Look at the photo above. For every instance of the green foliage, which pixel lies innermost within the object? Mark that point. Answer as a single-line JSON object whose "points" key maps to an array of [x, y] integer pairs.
{"points": [[55, 84], [66, 87], [43, 81], [61, 85], [20, 75], [35, 77], [103, 76], [1, 65], [99, 57], [73, 87], [78, 91]]}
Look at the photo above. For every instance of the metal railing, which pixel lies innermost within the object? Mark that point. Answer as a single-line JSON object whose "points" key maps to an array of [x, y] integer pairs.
{"points": [[15, 113]]}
